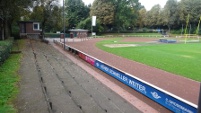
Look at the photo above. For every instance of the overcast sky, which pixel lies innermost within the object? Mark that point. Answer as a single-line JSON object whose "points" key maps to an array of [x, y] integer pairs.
{"points": [[147, 3]]}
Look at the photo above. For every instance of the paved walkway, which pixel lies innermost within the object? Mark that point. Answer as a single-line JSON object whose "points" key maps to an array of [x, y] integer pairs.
{"points": [[52, 83]]}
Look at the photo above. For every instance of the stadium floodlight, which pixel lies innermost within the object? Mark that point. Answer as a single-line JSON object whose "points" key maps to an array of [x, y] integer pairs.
{"points": [[64, 22]]}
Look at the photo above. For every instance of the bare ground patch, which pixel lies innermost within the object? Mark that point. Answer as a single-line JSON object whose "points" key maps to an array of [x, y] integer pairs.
{"points": [[120, 45]]}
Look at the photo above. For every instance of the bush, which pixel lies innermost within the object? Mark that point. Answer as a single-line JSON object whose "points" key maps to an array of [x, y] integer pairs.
{"points": [[15, 32], [8, 81], [5, 49], [175, 31]]}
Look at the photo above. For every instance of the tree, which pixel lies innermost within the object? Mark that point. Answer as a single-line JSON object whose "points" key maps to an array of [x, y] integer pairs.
{"points": [[104, 10], [174, 14], [117, 14], [191, 7], [55, 23], [126, 13], [37, 14], [76, 12], [86, 24], [42, 12], [170, 13], [11, 11], [153, 16], [141, 18]]}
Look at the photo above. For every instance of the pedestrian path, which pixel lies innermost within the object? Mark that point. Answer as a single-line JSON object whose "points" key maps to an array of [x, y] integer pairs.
{"points": [[52, 83]]}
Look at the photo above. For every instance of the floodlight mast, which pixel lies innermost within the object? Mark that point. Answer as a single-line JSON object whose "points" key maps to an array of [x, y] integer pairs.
{"points": [[64, 22], [91, 30]]}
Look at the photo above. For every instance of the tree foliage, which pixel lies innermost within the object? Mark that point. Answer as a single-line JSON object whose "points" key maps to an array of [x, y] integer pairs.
{"points": [[126, 13], [104, 10], [55, 23], [76, 11], [11, 11], [170, 13], [141, 18], [153, 16], [116, 14], [174, 14], [42, 12], [191, 7], [86, 24]]}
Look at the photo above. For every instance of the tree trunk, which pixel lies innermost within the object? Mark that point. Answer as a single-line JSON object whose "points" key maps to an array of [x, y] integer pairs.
{"points": [[6, 30], [1, 30], [43, 29], [169, 28], [10, 28]]}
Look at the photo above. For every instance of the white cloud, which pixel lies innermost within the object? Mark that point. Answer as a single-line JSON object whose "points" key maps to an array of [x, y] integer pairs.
{"points": [[87, 2], [148, 4]]}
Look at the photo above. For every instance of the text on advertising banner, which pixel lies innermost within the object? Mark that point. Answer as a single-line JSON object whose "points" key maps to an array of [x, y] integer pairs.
{"points": [[162, 98]]}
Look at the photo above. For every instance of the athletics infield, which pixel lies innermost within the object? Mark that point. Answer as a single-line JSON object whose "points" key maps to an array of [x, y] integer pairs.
{"points": [[182, 87]]}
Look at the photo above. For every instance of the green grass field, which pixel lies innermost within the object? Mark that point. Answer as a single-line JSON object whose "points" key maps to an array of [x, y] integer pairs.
{"points": [[181, 59], [8, 81]]}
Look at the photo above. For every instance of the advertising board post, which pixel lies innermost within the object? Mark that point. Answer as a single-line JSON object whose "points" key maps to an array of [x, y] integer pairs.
{"points": [[199, 101]]}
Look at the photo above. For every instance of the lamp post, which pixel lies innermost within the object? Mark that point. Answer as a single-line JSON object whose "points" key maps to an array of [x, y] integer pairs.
{"points": [[64, 21]]}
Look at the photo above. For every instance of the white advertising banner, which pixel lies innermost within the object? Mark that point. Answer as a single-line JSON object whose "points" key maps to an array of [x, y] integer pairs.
{"points": [[93, 20]]}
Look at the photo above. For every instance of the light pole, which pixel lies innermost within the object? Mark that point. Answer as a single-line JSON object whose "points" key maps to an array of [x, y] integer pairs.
{"points": [[64, 21]]}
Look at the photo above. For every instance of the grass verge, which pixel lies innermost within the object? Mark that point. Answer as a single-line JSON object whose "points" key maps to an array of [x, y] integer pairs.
{"points": [[8, 82], [181, 59]]}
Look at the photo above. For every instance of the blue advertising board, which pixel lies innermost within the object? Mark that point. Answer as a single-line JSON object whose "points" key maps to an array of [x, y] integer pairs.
{"points": [[160, 97]]}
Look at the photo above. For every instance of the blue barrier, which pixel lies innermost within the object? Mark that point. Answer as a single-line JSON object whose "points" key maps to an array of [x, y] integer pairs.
{"points": [[160, 97]]}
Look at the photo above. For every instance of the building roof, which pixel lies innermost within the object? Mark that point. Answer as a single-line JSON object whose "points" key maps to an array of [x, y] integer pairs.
{"points": [[27, 21]]}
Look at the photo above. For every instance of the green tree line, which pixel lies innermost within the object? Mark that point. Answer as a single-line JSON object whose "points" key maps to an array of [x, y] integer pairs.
{"points": [[174, 15], [123, 15], [112, 15]]}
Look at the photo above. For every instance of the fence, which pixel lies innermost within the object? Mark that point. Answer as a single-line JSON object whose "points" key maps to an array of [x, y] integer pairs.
{"points": [[151, 36], [56, 35]]}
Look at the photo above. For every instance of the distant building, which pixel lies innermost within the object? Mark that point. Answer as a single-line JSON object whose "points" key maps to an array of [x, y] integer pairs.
{"points": [[29, 29], [79, 33]]}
